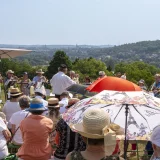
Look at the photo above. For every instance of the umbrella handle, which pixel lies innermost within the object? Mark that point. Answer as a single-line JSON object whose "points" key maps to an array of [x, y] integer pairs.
{"points": [[126, 126]]}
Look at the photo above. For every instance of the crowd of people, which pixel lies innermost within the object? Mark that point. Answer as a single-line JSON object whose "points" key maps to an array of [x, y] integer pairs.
{"points": [[36, 126]]}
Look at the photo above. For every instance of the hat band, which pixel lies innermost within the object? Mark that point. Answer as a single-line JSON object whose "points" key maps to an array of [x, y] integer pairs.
{"points": [[14, 92], [53, 104], [92, 131], [35, 106]]}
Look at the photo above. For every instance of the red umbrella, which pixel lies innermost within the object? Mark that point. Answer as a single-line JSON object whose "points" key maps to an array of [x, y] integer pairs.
{"points": [[112, 83]]}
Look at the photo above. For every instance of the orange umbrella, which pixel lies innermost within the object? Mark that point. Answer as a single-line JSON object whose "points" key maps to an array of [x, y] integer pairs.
{"points": [[112, 83]]}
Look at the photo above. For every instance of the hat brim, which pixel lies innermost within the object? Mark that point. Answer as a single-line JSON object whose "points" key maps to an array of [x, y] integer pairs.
{"points": [[10, 72], [57, 106], [40, 72], [80, 129], [36, 109], [16, 94]]}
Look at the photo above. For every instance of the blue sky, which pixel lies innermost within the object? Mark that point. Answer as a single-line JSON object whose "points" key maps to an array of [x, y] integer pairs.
{"points": [[96, 22]]}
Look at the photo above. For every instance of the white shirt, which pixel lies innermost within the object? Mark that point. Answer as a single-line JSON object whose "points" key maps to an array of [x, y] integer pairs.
{"points": [[3, 142], [16, 119], [63, 104], [10, 108], [60, 82]]}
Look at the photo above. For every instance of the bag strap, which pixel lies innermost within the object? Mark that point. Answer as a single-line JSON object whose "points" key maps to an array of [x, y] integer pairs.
{"points": [[17, 129]]}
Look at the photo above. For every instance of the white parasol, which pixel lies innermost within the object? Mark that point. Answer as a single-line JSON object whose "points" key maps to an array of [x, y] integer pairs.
{"points": [[137, 112]]}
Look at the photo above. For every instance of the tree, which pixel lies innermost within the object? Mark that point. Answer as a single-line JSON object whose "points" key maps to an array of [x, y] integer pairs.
{"points": [[109, 68], [59, 57], [138, 70], [89, 67]]}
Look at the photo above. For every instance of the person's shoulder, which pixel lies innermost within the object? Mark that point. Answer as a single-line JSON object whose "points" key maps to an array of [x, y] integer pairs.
{"points": [[16, 114], [8, 104], [46, 119]]}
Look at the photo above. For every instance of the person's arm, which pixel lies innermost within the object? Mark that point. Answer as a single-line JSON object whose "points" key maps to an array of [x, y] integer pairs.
{"points": [[12, 121], [13, 129], [4, 130], [6, 134], [68, 156], [69, 81]]}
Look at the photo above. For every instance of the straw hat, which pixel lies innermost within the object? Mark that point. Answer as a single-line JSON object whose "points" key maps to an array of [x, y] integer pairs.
{"points": [[9, 71], [36, 105], [40, 71], [94, 121], [53, 103], [15, 92]]}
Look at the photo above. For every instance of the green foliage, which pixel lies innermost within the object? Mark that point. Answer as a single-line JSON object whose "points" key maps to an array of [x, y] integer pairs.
{"points": [[59, 57], [19, 67], [16, 66], [89, 67], [147, 51], [138, 70]]}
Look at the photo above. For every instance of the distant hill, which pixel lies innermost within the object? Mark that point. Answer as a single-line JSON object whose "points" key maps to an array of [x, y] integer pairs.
{"points": [[147, 51]]}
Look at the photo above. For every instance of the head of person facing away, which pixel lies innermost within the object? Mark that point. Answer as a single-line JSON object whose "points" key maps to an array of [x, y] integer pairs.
{"points": [[36, 107], [14, 94], [63, 68], [64, 95], [98, 131], [24, 102], [40, 92], [53, 108]]}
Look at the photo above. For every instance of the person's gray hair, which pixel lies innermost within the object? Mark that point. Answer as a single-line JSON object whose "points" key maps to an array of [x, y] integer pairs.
{"points": [[24, 101], [72, 72], [102, 73]]}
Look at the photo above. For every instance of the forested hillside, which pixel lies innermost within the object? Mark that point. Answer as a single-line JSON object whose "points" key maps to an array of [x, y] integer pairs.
{"points": [[147, 51]]}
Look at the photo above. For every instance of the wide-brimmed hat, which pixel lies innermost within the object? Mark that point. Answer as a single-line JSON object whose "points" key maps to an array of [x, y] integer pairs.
{"points": [[10, 71], [94, 121], [15, 92], [39, 71], [53, 103], [96, 125], [36, 105]]}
